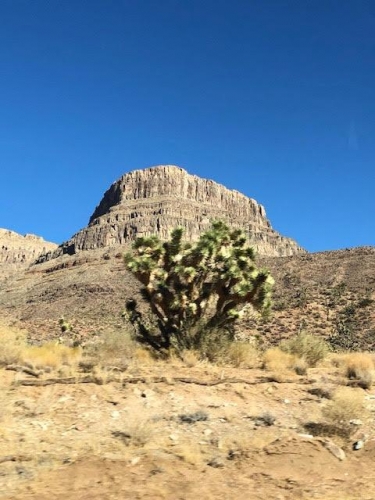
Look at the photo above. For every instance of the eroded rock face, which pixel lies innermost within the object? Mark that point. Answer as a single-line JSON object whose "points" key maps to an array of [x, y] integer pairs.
{"points": [[16, 249], [158, 199]]}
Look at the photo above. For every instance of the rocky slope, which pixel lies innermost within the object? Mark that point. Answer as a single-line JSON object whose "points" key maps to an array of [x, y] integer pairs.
{"points": [[17, 250], [331, 294], [158, 199]]}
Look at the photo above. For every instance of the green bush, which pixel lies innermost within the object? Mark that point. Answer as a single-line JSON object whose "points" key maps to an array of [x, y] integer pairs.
{"points": [[309, 347]]}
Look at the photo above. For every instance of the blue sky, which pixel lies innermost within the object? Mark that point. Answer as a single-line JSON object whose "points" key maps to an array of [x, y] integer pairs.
{"points": [[274, 98]]}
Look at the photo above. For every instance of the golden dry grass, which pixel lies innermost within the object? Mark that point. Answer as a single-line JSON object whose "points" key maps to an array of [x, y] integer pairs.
{"points": [[278, 361], [189, 453], [136, 433], [346, 404], [242, 355], [360, 366], [191, 358], [12, 341], [51, 355], [113, 348]]}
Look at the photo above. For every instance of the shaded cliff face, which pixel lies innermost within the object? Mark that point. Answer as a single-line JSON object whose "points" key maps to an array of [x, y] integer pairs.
{"points": [[158, 199], [17, 250]]}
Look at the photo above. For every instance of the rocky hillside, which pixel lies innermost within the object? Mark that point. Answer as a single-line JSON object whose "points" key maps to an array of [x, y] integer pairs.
{"points": [[18, 250], [331, 294], [158, 199]]}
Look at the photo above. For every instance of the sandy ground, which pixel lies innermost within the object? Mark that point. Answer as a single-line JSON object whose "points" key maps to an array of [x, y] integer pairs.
{"points": [[169, 439]]}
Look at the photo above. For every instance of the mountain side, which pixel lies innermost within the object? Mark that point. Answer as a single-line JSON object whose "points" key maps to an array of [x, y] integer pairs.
{"points": [[330, 294], [18, 250], [156, 200]]}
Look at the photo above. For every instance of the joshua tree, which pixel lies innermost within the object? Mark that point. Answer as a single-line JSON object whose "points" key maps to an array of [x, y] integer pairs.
{"points": [[198, 287]]}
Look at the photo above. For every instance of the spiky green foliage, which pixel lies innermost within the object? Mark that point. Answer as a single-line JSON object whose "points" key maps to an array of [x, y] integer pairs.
{"points": [[197, 287]]}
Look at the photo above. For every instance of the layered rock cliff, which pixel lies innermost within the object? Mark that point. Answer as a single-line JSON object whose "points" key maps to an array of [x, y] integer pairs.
{"points": [[16, 249], [158, 199]]}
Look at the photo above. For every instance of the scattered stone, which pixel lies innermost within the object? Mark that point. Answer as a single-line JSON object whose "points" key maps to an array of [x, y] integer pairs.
{"points": [[207, 432], [173, 437], [358, 445], [115, 414], [306, 436], [135, 460], [216, 463], [113, 401], [356, 421], [286, 401], [335, 450], [76, 427], [63, 399], [43, 425], [147, 393]]}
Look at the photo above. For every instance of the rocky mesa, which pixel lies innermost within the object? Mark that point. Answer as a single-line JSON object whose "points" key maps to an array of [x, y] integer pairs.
{"points": [[158, 199]]}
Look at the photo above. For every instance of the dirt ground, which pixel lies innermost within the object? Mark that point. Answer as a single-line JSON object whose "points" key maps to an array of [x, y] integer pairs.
{"points": [[158, 433]]}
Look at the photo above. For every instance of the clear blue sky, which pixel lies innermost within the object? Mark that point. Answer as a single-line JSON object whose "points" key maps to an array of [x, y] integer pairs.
{"points": [[274, 98]]}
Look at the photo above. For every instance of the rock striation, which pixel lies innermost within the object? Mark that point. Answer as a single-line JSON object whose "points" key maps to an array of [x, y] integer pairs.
{"points": [[155, 200], [17, 250]]}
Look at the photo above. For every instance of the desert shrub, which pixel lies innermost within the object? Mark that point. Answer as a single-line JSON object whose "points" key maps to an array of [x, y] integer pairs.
{"points": [[309, 347], [12, 342], [196, 291], [192, 418], [266, 419], [322, 392], [359, 366], [300, 366]]}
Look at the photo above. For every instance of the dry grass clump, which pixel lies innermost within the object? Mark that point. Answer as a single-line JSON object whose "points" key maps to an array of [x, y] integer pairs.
{"points": [[337, 359], [300, 366], [242, 355], [189, 453], [136, 433], [12, 341], [309, 347], [276, 360], [280, 362], [360, 366], [51, 355], [144, 356], [345, 405], [113, 348], [190, 358]]}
